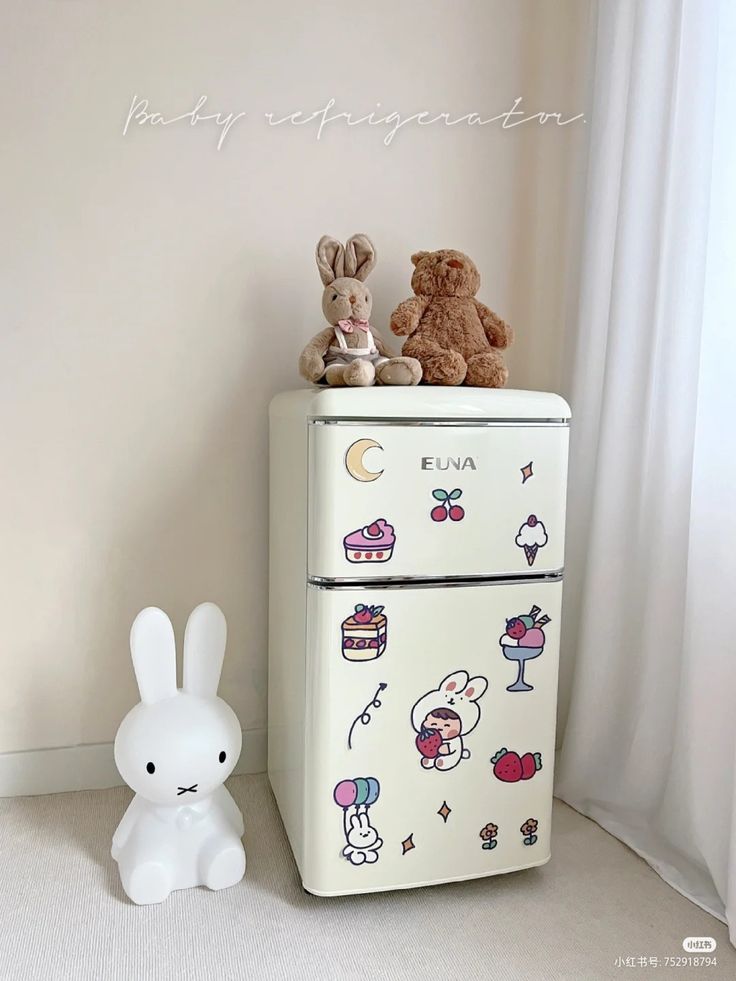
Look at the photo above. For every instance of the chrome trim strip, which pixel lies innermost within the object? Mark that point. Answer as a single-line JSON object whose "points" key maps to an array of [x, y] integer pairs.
{"points": [[466, 423], [433, 582]]}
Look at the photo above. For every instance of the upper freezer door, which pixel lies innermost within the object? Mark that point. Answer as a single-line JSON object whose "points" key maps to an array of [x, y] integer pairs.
{"points": [[436, 501]]}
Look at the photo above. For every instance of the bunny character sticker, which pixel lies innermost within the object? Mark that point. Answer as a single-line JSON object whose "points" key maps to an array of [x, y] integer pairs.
{"points": [[355, 797], [175, 749], [444, 717]]}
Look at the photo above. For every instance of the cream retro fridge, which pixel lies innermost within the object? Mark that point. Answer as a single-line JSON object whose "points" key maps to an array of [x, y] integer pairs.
{"points": [[416, 566]]}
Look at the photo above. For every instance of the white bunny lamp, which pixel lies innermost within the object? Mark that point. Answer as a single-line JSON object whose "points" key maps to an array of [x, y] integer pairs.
{"points": [[175, 749]]}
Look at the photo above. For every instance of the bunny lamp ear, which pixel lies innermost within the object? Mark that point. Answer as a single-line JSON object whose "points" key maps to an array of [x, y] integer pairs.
{"points": [[330, 259], [454, 682], [204, 649], [153, 648], [476, 688], [417, 257], [360, 257]]}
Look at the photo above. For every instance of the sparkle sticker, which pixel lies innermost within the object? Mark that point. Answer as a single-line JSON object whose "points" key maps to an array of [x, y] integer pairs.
{"points": [[407, 844], [526, 472], [445, 811]]}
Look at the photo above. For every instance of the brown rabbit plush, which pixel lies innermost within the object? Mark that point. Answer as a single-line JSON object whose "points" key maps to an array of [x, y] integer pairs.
{"points": [[457, 339], [350, 352]]}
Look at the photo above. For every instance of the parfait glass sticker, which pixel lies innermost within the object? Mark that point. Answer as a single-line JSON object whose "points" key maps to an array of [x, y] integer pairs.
{"points": [[524, 640], [531, 537]]}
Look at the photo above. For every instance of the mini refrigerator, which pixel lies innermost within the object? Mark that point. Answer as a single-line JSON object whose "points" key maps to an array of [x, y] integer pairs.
{"points": [[416, 563]]}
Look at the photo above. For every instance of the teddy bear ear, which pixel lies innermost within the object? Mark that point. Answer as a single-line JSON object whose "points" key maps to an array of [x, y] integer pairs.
{"points": [[360, 257], [417, 257], [330, 257]]}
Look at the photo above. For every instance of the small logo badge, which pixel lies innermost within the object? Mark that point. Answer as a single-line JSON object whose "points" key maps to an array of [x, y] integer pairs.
{"points": [[448, 463]]}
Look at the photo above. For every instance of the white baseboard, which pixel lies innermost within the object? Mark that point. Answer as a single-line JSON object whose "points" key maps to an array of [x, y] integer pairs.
{"points": [[92, 767]]}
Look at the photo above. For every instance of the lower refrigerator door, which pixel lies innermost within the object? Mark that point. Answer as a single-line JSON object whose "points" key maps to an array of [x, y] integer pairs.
{"points": [[430, 733]]}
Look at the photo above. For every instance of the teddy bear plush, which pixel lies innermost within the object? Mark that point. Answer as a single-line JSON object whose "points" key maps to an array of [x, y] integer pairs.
{"points": [[456, 338], [349, 351]]}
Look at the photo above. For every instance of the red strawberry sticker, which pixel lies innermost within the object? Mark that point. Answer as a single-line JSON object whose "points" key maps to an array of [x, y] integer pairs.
{"points": [[428, 743], [509, 767]]}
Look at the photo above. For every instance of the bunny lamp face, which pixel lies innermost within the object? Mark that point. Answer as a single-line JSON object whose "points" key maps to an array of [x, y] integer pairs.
{"points": [[179, 750], [178, 746]]}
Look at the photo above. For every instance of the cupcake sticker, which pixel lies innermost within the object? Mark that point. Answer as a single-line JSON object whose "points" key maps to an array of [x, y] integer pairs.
{"points": [[364, 633], [531, 537], [372, 543]]}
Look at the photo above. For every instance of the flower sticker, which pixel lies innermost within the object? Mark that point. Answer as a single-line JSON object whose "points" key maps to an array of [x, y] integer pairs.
{"points": [[489, 833], [528, 829]]}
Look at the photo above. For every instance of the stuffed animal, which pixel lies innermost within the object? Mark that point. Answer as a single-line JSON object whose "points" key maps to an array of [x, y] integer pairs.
{"points": [[349, 351], [175, 749], [455, 337]]}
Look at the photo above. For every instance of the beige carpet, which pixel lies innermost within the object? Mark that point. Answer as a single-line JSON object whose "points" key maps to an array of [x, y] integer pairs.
{"points": [[63, 914]]}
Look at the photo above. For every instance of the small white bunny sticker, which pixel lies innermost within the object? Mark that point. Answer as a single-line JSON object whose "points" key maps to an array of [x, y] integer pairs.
{"points": [[175, 749]]}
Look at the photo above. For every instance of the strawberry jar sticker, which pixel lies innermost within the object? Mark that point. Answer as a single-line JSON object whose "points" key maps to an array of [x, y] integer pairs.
{"points": [[371, 543], [446, 509], [364, 633], [524, 640], [510, 767], [531, 537]]}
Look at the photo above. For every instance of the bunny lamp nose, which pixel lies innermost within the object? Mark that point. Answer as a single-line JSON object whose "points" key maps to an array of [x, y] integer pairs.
{"points": [[352, 298]]}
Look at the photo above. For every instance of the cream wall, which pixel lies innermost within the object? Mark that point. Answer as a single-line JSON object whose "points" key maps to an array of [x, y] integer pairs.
{"points": [[156, 292]]}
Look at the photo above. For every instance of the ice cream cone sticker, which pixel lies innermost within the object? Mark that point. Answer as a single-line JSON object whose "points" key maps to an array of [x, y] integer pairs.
{"points": [[531, 537]]}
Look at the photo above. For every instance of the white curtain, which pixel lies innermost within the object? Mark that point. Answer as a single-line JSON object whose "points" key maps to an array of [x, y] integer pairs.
{"points": [[649, 642]]}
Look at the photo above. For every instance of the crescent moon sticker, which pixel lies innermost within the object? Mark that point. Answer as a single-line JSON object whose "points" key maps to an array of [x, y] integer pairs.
{"points": [[354, 460]]}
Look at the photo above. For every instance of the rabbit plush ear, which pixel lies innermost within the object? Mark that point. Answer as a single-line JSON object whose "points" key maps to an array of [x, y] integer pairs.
{"points": [[330, 259], [204, 649], [153, 648], [360, 257], [417, 257], [454, 682], [475, 688]]}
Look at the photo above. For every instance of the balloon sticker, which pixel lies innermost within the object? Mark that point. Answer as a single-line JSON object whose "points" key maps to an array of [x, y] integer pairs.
{"points": [[523, 641], [355, 462], [355, 797], [446, 509], [365, 717]]}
